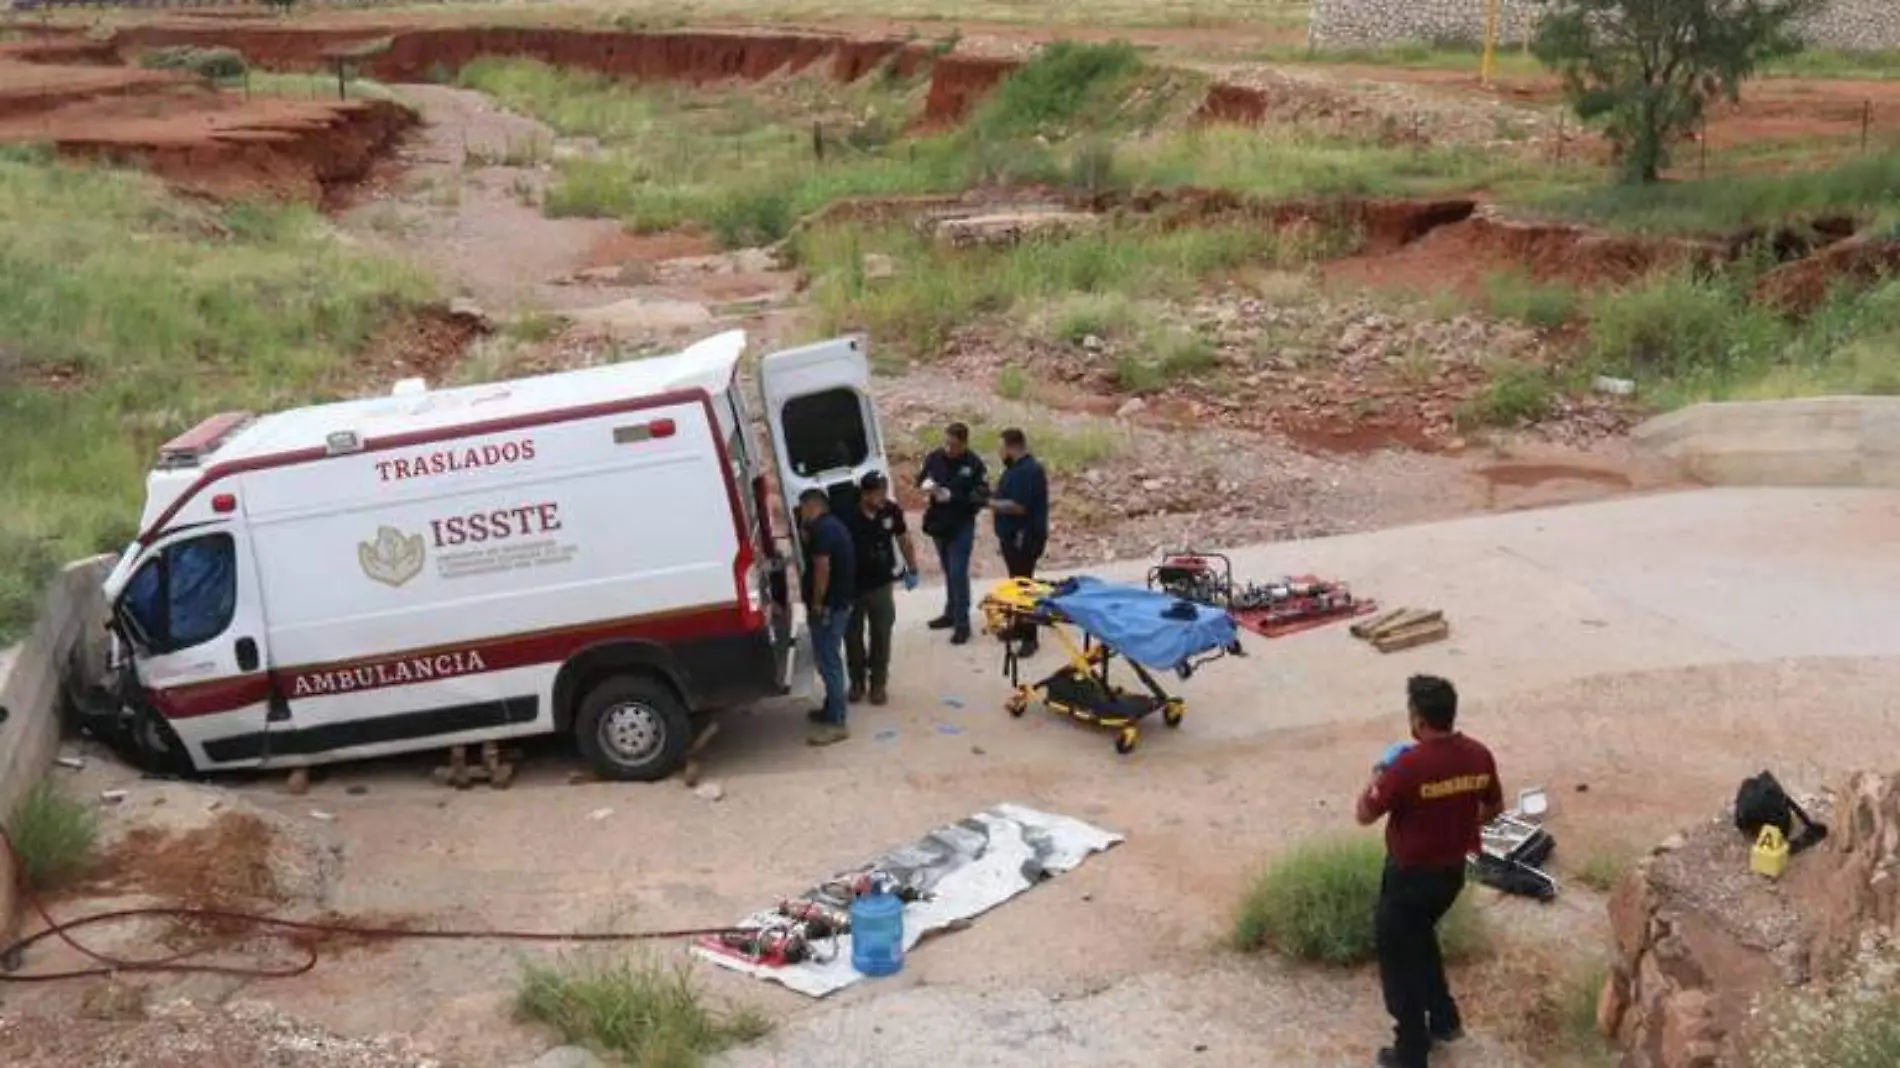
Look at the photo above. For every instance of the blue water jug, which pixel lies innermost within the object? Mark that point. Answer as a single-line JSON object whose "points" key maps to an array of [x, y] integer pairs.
{"points": [[877, 934]]}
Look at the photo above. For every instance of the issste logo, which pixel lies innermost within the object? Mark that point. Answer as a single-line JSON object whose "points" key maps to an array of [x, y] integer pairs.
{"points": [[393, 558]]}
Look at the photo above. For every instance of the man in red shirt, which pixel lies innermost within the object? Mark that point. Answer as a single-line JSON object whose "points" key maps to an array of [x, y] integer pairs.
{"points": [[1435, 796]]}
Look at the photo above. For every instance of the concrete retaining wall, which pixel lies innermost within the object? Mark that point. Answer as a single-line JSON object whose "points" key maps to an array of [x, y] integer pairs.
{"points": [[30, 691], [1818, 441], [1850, 25]]}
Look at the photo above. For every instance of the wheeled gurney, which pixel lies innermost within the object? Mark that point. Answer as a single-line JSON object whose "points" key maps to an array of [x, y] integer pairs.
{"points": [[1151, 631]]}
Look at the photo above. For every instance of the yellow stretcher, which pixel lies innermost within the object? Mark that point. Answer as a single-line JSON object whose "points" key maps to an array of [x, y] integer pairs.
{"points": [[1080, 688]]}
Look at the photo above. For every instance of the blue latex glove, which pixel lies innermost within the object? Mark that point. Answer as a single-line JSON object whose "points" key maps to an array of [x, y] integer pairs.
{"points": [[1392, 752], [911, 580]]}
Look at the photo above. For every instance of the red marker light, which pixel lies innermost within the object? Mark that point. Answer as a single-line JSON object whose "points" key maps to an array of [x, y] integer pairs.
{"points": [[224, 503], [661, 428]]}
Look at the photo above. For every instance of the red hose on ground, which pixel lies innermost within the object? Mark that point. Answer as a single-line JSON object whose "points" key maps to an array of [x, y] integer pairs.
{"points": [[179, 962]]}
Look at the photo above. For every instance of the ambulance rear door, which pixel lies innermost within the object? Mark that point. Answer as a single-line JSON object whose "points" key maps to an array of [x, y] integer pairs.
{"points": [[823, 425]]}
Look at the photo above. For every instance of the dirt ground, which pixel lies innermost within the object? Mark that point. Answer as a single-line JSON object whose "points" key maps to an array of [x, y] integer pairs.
{"points": [[1115, 963], [1592, 641]]}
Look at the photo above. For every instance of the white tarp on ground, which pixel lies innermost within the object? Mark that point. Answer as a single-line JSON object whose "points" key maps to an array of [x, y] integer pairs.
{"points": [[966, 868]]}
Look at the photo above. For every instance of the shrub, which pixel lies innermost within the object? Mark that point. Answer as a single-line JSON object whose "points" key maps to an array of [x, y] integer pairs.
{"points": [[1012, 383], [1055, 88], [1092, 167], [54, 837], [744, 218], [1518, 393], [1515, 295], [651, 1015], [1085, 315], [1316, 902], [217, 64]]}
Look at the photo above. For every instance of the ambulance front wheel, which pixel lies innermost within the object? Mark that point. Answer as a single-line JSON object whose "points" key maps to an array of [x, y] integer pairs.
{"points": [[633, 728]]}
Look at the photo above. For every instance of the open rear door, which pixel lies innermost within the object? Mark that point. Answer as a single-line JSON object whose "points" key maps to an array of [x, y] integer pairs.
{"points": [[823, 426]]}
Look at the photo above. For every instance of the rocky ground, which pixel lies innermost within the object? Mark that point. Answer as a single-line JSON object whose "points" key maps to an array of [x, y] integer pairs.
{"points": [[1320, 411]]}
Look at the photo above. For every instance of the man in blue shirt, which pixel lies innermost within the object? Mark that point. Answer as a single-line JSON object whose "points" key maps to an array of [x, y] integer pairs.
{"points": [[1021, 507], [830, 579], [957, 484]]}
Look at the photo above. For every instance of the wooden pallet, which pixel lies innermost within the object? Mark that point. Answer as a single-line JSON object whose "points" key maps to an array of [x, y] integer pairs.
{"points": [[1403, 628]]}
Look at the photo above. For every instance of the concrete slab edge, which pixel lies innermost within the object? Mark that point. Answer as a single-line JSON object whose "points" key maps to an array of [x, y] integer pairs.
{"points": [[31, 692], [1810, 441]]}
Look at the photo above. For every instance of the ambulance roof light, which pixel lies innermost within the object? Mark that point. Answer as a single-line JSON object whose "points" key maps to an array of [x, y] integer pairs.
{"points": [[409, 387], [193, 446]]}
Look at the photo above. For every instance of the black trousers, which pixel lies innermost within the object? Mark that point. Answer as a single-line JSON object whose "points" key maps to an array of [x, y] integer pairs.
{"points": [[1411, 969], [1020, 562]]}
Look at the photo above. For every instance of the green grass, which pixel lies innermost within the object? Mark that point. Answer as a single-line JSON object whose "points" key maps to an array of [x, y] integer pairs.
{"points": [[1567, 1011], [1165, 355], [1517, 393], [1065, 88], [1847, 1032], [1076, 318], [1687, 337], [739, 165], [1289, 164], [937, 289], [648, 1014], [1013, 383], [310, 86], [130, 314], [1513, 294], [55, 837], [1315, 904], [1063, 449], [1722, 205]]}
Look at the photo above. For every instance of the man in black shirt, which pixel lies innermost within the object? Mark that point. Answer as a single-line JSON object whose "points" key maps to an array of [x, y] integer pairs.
{"points": [[958, 486], [1021, 507], [879, 538], [829, 578]]}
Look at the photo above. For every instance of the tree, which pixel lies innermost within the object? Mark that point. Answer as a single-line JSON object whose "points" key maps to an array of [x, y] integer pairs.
{"points": [[1647, 69]]}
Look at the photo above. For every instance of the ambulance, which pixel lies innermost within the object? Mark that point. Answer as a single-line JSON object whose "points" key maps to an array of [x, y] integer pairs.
{"points": [[590, 552]]}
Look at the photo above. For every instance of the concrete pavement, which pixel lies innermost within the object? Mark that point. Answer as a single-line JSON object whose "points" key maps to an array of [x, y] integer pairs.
{"points": [[1541, 597]]}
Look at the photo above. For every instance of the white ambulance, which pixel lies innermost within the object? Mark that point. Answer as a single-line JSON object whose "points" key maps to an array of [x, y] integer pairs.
{"points": [[589, 551]]}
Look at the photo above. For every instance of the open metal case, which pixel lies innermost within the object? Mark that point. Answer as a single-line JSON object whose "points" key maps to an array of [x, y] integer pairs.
{"points": [[1513, 848]]}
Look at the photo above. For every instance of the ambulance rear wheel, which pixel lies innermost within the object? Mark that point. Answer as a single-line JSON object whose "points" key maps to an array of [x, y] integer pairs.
{"points": [[633, 728]]}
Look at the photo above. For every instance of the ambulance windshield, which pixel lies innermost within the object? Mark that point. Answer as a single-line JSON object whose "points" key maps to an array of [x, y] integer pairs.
{"points": [[825, 432]]}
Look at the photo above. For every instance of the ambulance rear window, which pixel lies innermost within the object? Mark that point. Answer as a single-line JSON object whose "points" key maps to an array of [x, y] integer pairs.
{"points": [[825, 432]]}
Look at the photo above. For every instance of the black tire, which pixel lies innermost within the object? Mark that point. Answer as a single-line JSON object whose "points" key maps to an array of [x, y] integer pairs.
{"points": [[633, 728], [155, 747]]}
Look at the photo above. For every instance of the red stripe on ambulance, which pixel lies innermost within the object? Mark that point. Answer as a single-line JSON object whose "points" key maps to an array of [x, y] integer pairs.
{"points": [[506, 653]]}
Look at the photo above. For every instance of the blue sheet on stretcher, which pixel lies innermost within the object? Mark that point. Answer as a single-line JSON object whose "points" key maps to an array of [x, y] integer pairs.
{"points": [[1132, 621]]}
